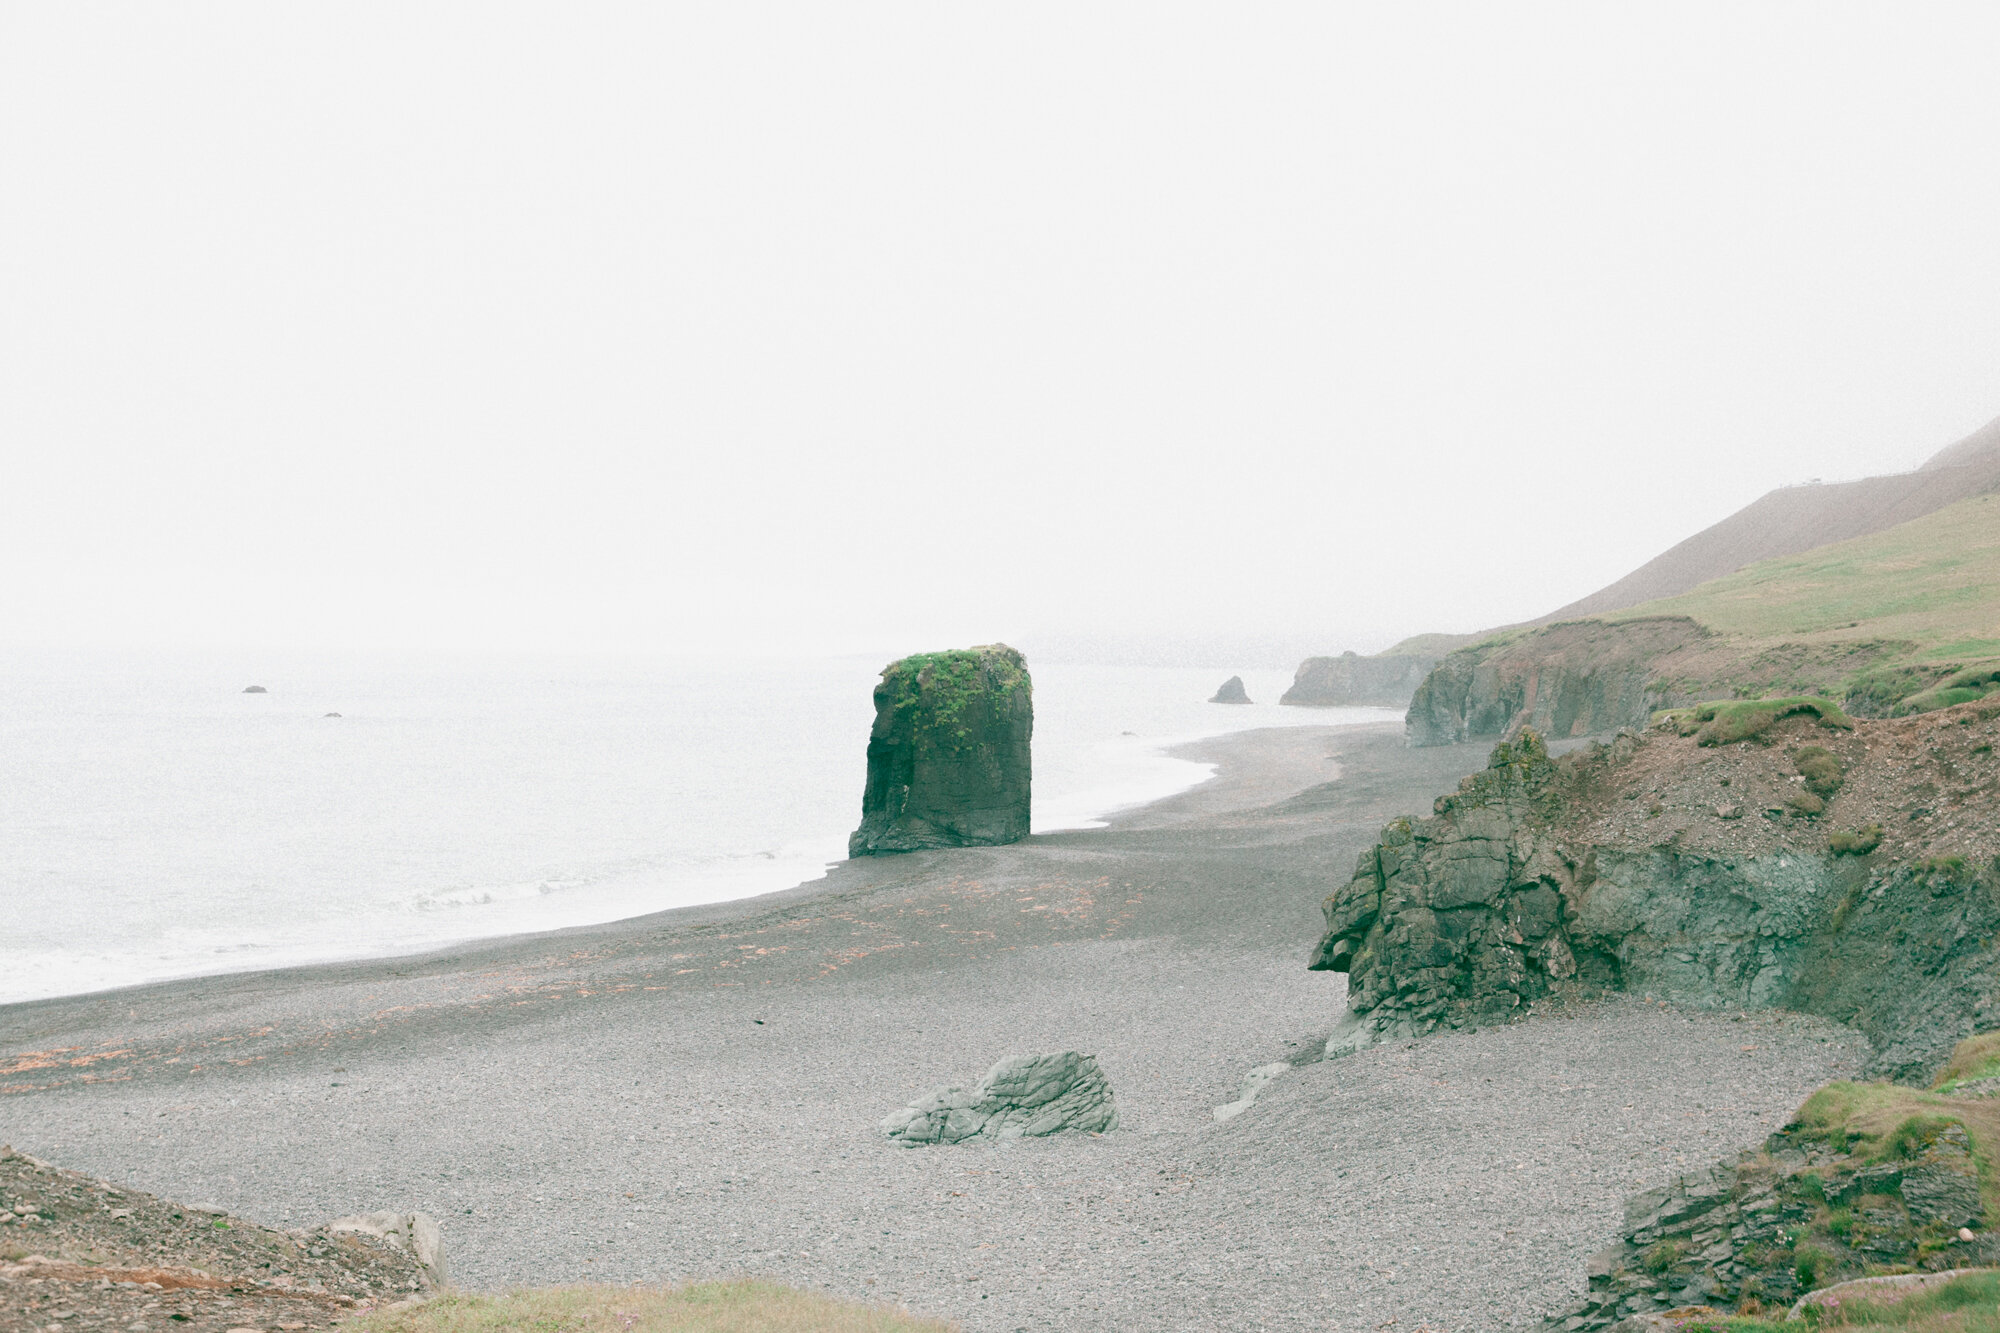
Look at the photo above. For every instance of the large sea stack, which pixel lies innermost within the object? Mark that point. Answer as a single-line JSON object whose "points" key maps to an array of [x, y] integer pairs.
{"points": [[948, 756]]}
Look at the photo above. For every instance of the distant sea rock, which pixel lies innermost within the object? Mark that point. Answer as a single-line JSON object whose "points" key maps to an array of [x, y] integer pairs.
{"points": [[948, 756], [255, 689], [1387, 680], [1232, 692], [1027, 1096]]}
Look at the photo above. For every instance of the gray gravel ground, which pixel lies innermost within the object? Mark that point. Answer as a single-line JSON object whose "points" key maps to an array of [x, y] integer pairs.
{"points": [[605, 1105]]}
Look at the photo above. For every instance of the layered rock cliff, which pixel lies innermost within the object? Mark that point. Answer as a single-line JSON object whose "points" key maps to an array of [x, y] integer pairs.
{"points": [[1848, 873], [1386, 680], [948, 756], [1593, 677]]}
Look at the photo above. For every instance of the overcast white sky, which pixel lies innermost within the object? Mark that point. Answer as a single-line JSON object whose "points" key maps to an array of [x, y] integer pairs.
{"points": [[884, 327]]}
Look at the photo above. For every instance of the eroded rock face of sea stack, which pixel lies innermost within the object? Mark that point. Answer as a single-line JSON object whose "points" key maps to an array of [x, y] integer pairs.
{"points": [[1232, 692], [1387, 680], [948, 757], [1848, 874], [1026, 1096]]}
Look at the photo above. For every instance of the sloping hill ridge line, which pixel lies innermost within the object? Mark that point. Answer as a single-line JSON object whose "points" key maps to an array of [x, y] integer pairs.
{"points": [[1711, 876], [1800, 518], [1876, 621]]}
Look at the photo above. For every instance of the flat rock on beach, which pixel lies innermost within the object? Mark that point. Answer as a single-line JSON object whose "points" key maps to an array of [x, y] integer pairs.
{"points": [[698, 1093]]}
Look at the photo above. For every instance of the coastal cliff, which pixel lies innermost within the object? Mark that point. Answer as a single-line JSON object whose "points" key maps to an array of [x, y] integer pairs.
{"points": [[1386, 680], [1574, 679], [948, 756], [1847, 873]]}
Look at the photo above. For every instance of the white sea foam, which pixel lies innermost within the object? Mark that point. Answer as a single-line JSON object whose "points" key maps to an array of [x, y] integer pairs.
{"points": [[159, 823]]}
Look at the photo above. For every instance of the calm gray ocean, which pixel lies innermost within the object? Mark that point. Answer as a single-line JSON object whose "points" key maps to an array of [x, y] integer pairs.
{"points": [[157, 822]]}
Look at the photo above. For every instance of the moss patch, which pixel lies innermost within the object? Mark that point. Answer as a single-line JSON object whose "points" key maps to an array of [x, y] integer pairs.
{"points": [[1975, 1057], [1856, 842], [944, 688], [1726, 721]]}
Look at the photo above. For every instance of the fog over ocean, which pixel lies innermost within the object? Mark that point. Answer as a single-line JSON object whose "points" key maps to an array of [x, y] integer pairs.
{"points": [[158, 822]]}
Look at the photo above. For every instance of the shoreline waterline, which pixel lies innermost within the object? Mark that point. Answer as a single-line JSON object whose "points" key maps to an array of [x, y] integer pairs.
{"points": [[307, 901]]}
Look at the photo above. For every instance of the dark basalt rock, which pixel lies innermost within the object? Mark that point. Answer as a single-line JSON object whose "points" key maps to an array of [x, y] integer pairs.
{"points": [[1502, 898], [948, 757], [1386, 680], [1775, 1224], [1232, 692]]}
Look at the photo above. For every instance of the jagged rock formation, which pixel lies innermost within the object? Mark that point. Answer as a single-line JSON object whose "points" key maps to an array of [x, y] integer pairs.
{"points": [[1818, 1204], [948, 757], [1708, 876], [1232, 692], [1026, 1096], [1386, 680]]}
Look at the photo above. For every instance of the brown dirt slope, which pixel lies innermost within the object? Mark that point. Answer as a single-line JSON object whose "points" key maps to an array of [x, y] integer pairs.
{"points": [[77, 1253]]}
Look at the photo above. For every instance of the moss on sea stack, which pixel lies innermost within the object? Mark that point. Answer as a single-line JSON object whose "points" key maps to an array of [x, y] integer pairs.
{"points": [[948, 758]]}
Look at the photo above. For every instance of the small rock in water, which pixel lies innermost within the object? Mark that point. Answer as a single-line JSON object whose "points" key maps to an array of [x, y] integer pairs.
{"points": [[1232, 692], [255, 689], [330, 715]]}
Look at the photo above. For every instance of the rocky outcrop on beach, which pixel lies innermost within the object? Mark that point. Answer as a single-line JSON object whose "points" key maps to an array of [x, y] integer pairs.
{"points": [[948, 756], [1849, 874], [1386, 680], [1232, 692], [123, 1258], [1864, 1178], [1025, 1096]]}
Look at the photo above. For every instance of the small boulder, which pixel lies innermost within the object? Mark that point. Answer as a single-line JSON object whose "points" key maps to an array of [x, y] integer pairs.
{"points": [[416, 1234], [1024, 1096], [255, 689], [1232, 692]]}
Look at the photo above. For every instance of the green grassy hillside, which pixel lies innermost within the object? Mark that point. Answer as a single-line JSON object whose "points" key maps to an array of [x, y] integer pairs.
{"points": [[1934, 582]]}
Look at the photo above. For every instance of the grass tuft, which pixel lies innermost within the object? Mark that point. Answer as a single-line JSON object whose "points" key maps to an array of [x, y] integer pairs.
{"points": [[742, 1306], [1856, 842], [1968, 1304], [1726, 721], [1821, 768], [1974, 1058]]}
